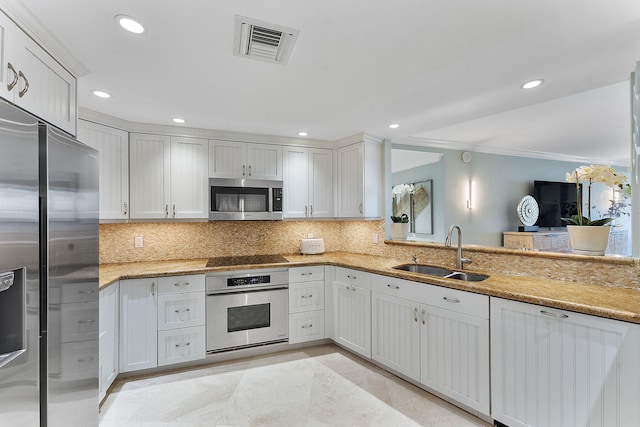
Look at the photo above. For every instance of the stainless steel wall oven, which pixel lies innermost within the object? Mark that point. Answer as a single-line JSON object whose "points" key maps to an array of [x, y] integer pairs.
{"points": [[247, 308]]}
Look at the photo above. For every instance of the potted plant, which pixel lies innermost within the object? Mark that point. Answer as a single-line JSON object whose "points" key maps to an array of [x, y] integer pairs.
{"points": [[400, 227], [591, 236]]}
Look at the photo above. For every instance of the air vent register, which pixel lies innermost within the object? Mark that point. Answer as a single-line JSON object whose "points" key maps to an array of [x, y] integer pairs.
{"points": [[263, 41]]}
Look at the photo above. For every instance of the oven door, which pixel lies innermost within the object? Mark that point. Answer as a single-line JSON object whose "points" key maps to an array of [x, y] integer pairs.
{"points": [[246, 318]]}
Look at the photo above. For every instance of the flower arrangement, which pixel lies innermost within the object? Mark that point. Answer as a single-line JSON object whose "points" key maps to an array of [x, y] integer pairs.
{"points": [[400, 189], [590, 175], [398, 192], [403, 219]]}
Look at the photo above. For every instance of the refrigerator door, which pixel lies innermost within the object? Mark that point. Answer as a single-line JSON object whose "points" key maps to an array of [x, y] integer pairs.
{"points": [[19, 269], [72, 261]]}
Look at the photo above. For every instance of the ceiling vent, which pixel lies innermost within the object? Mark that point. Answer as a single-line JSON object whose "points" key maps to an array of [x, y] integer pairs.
{"points": [[263, 41]]}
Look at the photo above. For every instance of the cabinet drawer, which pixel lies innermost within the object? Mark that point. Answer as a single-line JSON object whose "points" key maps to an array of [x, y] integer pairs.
{"points": [[353, 277], [398, 287], [60, 293], [181, 345], [306, 274], [306, 296], [79, 360], [460, 301], [181, 310], [307, 326], [78, 321], [180, 284]]}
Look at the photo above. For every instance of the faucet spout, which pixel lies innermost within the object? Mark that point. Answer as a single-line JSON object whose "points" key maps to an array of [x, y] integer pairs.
{"points": [[460, 261]]}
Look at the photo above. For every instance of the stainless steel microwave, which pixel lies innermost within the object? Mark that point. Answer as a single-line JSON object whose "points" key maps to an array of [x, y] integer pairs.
{"points": [[244, 199]]}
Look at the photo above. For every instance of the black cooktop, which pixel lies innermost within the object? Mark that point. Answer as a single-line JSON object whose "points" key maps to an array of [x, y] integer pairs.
{"points": [[223, 261]]}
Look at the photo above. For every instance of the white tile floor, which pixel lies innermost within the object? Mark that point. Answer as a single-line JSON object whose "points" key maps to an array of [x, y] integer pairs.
{"points": [[315, 386]]}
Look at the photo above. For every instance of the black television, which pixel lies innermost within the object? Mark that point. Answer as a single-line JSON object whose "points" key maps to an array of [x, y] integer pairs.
{"points": [[556, 200]]}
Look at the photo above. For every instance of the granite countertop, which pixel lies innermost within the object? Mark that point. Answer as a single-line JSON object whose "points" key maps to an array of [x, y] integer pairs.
{"points": [[615, 303]]}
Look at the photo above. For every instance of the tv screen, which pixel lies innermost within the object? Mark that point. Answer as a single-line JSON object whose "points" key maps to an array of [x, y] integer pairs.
{"points": [[556, 200]]}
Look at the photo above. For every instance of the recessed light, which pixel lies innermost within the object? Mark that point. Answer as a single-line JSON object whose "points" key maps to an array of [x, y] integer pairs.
{"points": [[531, 84], [394, 126], [303, 133], [178, 120], [101, 94], [130, 24]]}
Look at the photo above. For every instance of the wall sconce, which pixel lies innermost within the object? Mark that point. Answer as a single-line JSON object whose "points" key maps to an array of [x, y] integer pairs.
{"points": [[471, 194]]}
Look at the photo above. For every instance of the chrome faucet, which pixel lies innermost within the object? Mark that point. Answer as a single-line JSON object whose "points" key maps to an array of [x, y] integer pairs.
{"points": [[415, 258], [459, 260]]}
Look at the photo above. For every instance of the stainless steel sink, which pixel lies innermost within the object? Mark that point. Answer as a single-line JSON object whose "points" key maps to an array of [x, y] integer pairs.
{"points": [[467, 277], [431, 270]]}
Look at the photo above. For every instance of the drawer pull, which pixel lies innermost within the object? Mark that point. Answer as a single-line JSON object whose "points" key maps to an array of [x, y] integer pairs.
{"points": [[183, 311], [389, 285], [86, 359], [424, 317], [306, 274], [307, 296], [349, 276], [181, 284], [415, 314], [351, 288], [14, 82], [556, 315], [87, 292], [451, 300], [183, 345], [87, 321], [307, 326]]}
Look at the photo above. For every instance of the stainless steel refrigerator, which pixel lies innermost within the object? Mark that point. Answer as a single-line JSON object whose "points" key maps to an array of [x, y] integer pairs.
{"points": [[48, 275]]}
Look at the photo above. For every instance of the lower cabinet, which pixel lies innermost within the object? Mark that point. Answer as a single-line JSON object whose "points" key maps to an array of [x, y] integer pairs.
{"points": [[162, 321], [555, 368], [434, 335], [352, 310], [306, 304], [108, 338]]}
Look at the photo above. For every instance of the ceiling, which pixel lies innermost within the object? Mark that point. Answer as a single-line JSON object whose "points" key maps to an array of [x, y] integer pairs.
{"points": [[448, 71]]}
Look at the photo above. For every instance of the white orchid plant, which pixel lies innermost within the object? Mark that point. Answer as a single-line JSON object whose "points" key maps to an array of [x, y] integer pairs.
{"points": [[590, 175], [398, 191]]}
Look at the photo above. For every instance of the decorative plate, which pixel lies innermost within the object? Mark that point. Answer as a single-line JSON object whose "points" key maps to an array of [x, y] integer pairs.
{"points": [[528, 211]]}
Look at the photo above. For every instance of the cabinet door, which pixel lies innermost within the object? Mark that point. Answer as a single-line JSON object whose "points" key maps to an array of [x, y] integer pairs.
{"points": [[352, 317], [296, 182], [395, 330], [321, 183], [108, 359], [455, 356], [113, 145], [189, 178], [8, 77], [227, 159], [350, 181], [264, 161], [138, 324], [45, 88], [551, 368], [150, 178]]}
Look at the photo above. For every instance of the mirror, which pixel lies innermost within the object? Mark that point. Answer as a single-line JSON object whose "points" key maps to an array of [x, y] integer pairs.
{"points": [[414, 199], [481, 191]]}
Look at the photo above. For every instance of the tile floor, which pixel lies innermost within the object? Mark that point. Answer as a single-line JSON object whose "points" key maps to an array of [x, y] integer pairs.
{"points": [[315, 386]]}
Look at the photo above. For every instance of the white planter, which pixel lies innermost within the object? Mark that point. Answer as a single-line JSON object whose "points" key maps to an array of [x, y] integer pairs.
{"points": [[399, 230], [589, 240]]}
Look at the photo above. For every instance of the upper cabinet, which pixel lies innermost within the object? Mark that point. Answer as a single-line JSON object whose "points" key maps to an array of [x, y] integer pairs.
{"points": [[360, 179], [168, 177], [113, 145], [230, 159], [308, 182], [33, 80]]}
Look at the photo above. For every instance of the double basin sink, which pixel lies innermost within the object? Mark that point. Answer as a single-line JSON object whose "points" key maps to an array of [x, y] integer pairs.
{"points": [[445, 273]]}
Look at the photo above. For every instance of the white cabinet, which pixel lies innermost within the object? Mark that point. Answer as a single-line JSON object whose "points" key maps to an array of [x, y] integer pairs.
{"points": [[352, 310], [108, 338], [113, 145], [232, 159], [306, 304], [138, 324], [162, 321], [435, 335], [308, 182], [360, 179], [168, 177], [551, 367], [33, 80]]}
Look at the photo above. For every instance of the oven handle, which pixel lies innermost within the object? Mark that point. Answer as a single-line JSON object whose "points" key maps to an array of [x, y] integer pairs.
{"points": [[246, 290]]}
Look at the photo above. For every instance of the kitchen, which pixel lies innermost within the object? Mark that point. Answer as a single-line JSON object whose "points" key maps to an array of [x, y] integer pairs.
{"points": [[139, 225]]}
